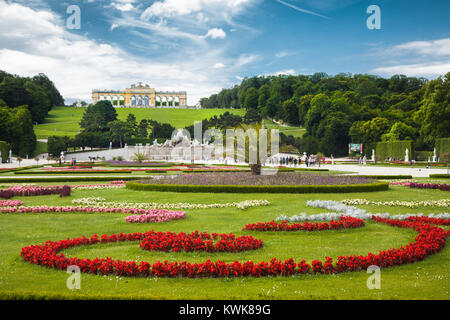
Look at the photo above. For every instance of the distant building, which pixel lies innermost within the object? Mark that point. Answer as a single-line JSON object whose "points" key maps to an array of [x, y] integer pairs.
{"points": [[141, 96]]}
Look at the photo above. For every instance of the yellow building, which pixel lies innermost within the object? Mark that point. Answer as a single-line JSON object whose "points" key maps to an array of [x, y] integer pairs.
{"points": [[141, 96]]}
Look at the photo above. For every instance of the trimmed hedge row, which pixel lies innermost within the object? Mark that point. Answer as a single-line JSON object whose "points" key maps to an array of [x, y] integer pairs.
{"points": [[377, 186], [63, 179], [386, 177], [440, 176], [71, 172], [395, 149]]}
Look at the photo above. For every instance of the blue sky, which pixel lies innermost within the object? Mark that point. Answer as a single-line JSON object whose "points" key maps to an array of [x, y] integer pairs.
{"points": [[202, 46]]}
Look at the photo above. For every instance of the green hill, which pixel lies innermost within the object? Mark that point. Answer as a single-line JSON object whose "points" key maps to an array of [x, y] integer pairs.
{"points": [[63, 121]]}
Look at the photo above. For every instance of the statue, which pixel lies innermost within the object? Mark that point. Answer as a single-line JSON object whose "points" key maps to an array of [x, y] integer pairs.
{"points": [[373, 155], [434, 155], [407, 155]]}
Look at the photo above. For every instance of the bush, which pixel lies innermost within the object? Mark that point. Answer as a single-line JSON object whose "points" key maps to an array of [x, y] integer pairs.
{"points": [[440, 176], [377, 186], [394, 149], [442, 146], [4, 148]]}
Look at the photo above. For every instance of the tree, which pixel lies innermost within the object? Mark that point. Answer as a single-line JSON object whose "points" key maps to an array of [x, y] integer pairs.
{"points": [[131, 124], [96, 117], [119, 132], [400, 131], [251, 99], [335, 136], [252, 116], [434, 114], [290, 112]]}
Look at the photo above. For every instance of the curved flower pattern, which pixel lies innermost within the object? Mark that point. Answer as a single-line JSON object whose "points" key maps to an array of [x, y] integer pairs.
{"points": [[195, 241], [430, 240], [442, 203], [156, 215], [342, 223]]}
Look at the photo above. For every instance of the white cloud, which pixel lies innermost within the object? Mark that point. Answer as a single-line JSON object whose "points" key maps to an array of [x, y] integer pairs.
{"points": [[218, 65], [427, 70], [439, 47], [417, 58], [36, 42], [246, 59], [113, 26], [171, 8], [287, 72], [215, 33]]}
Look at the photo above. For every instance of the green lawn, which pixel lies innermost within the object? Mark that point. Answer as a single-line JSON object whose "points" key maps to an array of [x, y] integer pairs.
{"points": [[423, 280], [63, 121], [297, 132]]}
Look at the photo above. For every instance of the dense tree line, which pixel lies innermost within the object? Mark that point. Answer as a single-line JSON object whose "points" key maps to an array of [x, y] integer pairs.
{"points": [[337, 110], [24, 101], [38, 93]]}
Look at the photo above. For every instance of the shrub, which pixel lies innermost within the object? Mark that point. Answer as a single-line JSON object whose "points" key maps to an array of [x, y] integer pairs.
{"points": [[4, 149], [377, 186], [394, 149], [440, 176]]}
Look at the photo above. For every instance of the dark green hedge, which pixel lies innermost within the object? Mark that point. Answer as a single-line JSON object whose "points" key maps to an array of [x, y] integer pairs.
{"points": [[377, 186], [440, 176], [387, 177], [4, 148], [442, 146], [394, 149]]}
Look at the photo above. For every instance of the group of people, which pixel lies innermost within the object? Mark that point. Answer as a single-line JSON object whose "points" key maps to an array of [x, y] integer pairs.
{"points": [[285, 161]]}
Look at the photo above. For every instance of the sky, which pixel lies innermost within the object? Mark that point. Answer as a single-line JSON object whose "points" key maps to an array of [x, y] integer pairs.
{"points": [[202, 46]]}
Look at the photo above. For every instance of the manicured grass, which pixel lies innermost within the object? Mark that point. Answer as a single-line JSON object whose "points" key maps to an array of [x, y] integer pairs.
{"points": [[65, 119], [297, 132], [427, 279]]}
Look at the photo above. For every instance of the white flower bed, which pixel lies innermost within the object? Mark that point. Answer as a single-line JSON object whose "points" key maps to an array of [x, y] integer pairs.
{"points": [[442, 203], [97, 202], [345, 210]]}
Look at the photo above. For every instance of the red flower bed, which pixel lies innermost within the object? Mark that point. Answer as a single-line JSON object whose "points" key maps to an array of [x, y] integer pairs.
{"points": [[169, 241], [430, 240], [442, 187], [342, 223]]}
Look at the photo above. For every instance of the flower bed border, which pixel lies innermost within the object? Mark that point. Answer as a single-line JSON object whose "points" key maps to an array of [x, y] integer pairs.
{"points": [[343, 223], [377, 186], [440, 176], [430, 240]]}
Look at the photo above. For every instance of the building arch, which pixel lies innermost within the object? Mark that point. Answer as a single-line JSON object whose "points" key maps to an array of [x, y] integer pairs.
{"points": [[177, 101], [139, 101], [146, 101], [170, 101], [164, 101], [121, 101], [157, 101], [133, 100]]}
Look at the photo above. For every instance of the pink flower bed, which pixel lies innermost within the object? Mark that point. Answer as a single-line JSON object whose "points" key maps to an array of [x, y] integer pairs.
{"points": [[156, 215], [10, 203], [68, 209]]}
